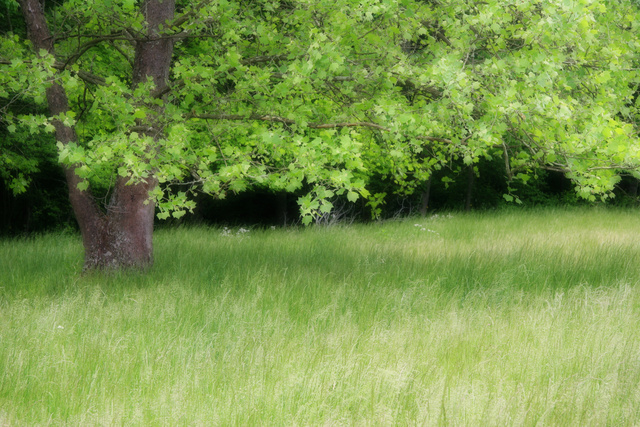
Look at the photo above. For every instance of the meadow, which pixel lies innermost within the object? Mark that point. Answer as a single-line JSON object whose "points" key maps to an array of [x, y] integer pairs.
{"points": [[499, 318]]}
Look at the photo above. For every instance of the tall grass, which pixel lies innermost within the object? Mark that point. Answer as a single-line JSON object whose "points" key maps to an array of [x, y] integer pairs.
{"points": [[509, 318]]}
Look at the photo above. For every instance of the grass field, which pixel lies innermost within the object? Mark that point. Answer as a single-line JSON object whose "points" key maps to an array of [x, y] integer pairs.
{"points": [[504, 318]]}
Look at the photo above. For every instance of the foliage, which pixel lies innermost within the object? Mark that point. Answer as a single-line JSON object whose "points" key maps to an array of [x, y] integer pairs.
{"points": [[326, 94]]}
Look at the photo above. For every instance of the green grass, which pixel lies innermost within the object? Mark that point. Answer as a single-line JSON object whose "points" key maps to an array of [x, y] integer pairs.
{"points": [[505, 318]]}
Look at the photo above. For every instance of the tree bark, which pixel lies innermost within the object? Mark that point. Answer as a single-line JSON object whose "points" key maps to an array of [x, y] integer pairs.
{"points": [[121, 237]]}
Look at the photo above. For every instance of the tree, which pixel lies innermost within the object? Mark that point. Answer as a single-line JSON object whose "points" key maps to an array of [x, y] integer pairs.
{"points": [[149, 104], [121, 236]]}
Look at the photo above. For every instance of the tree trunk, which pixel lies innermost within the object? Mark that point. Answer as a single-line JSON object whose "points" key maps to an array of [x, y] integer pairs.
{"points": [[282, 208], [121, 237], [425, 196]]}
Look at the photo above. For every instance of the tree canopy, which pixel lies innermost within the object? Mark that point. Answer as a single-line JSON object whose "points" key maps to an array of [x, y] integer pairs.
{"points": [[321, 95]]}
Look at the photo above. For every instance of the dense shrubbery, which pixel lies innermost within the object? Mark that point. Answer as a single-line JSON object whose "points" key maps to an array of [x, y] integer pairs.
{"points": [[45, 207]]}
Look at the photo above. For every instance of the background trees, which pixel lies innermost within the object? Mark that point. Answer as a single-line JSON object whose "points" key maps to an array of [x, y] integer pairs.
{"points": [[323, 97]]}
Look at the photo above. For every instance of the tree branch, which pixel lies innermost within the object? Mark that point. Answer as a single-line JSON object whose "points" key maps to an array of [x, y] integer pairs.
{"points": [[121, 52], [463, 141], [89, 44], [283, 120], [84, 75], [263, 58]]}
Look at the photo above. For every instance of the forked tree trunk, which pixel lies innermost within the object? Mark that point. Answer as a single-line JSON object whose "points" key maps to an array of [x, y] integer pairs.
{"points": [[121, 236]]}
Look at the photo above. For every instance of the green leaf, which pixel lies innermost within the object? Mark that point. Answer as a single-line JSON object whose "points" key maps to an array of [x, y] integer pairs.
{"points": [[326, 207], [83, 185]]}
